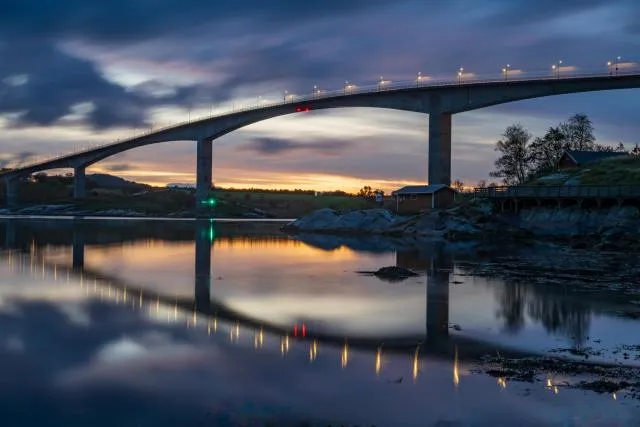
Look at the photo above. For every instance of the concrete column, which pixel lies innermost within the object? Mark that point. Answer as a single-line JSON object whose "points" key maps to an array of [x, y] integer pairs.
{"points": [[440, 148], [438, 301], [79, 183], [12, 189], [203, 171], [77, 249], [202, 294]]}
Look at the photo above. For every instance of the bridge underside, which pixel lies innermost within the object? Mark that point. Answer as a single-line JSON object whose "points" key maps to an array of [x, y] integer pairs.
{"points": [[440, 102]]}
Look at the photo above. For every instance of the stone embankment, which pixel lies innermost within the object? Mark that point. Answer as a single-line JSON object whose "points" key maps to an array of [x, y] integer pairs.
{"points": [[599, 229]]}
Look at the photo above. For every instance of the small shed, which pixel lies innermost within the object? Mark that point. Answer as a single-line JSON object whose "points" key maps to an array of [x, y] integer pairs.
{"points": [[572, 159], [416, 198]]}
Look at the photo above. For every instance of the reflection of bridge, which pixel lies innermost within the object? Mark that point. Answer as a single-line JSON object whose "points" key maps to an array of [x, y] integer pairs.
{"points": [[438, 340], [440, 101]]}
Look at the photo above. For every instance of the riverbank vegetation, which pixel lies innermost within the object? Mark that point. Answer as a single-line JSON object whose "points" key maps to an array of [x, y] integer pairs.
{"points": [[523, 158], [110, 194]]}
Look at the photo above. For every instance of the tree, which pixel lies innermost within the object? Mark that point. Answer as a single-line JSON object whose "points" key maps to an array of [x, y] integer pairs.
{"points": [[600, 147], [365, 191], [482, 183], [458, 185], [513, 164], [636, 150], [578, 131], [545, 152], [620, 148]]}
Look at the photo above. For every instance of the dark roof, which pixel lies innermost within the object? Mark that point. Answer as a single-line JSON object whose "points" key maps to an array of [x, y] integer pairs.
{"points": [[584, 157], [421, 189]]}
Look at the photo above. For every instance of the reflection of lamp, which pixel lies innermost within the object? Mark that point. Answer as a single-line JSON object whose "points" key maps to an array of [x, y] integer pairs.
{"points": [[344, 360], [456, 375], [416, 364], [379, 360]]}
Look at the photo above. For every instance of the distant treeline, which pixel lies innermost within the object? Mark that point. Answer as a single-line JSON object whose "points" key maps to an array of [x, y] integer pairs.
{"points": [[284, 191]]}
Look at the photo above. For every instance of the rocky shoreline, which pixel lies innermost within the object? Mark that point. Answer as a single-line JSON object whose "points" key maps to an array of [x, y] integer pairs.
{"points": [[612, 229], [72, 210]]}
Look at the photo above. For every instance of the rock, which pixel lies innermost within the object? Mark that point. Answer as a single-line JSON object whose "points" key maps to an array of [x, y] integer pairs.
{"points": [[392, 273], [323, 219]]}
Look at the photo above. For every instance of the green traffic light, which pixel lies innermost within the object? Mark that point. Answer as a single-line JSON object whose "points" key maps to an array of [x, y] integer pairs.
{"points": [[209, 202]]}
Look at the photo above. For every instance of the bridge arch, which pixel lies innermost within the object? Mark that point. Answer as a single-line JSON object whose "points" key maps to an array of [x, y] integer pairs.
{"points": [[439, 101]]}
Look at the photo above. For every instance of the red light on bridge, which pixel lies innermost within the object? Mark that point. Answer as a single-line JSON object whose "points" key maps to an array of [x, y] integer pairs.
{"points": [[303, 330]]}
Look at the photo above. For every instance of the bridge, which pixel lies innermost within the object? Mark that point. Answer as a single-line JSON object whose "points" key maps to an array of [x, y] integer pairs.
{"points": [[440, 100]]}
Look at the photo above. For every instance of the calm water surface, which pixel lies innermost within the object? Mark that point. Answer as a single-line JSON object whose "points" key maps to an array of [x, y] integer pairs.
{"points": [[196, 323]]}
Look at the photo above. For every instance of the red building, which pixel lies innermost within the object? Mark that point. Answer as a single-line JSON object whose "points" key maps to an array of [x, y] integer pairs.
{"points": [[413, 199]]}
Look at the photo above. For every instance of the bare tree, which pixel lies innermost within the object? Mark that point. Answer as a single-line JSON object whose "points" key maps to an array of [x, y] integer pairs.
{"points": [[636, 150], [482, 183], [578, 131], [458, 185], [513, 164]]}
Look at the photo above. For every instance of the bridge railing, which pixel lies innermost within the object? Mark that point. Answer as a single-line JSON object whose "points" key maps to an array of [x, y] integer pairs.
{"points": [[559, 192], [369, 87]]}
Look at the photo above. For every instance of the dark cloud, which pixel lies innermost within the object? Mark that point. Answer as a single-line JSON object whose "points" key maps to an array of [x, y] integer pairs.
{"points": [[120, 167], [271, 146], [135, 20], [16, 159], [57, 82]]}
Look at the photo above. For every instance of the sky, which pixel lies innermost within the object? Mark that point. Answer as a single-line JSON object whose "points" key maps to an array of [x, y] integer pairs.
{"points": [[76, 73]]}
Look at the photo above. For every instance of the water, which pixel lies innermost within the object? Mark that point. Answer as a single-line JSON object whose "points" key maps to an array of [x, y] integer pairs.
{"points": [[198, 323]]}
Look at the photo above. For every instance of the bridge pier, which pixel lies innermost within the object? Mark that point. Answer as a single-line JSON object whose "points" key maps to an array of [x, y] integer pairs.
{"points": [[12, 192], [202, 295], [440, 148], [77, 250], [79, 182], [204, 167], [438, 302]]}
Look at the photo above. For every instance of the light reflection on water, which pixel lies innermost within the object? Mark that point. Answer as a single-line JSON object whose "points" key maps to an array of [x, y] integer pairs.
{"points": [[288, 276]]}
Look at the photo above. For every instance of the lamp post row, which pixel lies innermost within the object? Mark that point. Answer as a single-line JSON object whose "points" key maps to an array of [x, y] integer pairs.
{"points": [[556, 68]]}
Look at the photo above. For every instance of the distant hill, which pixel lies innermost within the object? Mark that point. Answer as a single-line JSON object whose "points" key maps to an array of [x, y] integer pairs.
{"points": [[103, 180]]}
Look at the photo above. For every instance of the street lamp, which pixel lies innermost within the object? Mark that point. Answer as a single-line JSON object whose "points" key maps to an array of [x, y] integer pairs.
{"points": [[346, 86], [460, 73], [380, 82], [259, 98], [617, 64], [418, 79], [505, 71], [285, 96], [609, 64], [556, 68], [316, 91]]}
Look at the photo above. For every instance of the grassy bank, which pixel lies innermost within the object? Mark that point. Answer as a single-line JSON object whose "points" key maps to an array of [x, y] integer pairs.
{"points": [[162, 201], [612, 171]]}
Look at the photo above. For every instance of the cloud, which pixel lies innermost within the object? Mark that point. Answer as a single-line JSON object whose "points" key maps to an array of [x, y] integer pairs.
{"points": [[119, 167], [271, 146], [133, 63]]}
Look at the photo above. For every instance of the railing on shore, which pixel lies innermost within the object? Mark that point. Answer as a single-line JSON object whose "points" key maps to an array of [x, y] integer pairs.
{"points": [[559, 192]]}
